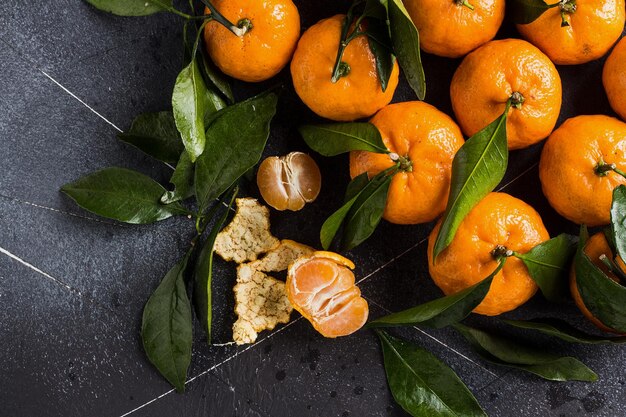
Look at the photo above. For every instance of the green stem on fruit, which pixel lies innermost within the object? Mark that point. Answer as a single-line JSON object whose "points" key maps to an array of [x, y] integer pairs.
{"points": [[339, 69], [464, 3], [602, 169], [219, 18], [567, 7], [500, 252]]}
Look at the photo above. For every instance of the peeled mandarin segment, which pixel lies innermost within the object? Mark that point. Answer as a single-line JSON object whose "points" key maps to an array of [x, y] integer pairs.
{"points": [[289, 182], [346, 321]]}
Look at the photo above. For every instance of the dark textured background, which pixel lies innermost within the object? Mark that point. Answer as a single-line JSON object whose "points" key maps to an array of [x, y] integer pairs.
{"points": [[72, 286]]}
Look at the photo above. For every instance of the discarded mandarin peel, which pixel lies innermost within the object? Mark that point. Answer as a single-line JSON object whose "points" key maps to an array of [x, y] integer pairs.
{"points": [[289, 182], [322, 288]]}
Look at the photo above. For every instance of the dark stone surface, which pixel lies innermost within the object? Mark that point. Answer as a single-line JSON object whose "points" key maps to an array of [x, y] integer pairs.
{"points": [[70, 311]]}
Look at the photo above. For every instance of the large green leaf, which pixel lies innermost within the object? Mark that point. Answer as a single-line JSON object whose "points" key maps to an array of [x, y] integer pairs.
{"points": [[122, 194], [422, 384], [442, 311], [548, 264], [618, 220], [527, 11], [405, 40], [131, 7], [156, 135], [563, 330], [477, 168], [190, 100], [166, 327], [505, 351], [216, 78], [182, 179], [338, 138], [235, 141]]}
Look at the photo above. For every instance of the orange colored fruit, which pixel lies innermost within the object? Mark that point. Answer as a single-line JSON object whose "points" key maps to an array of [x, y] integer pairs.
{"points": [[451, 28], [264, 49], [502, 70], [595, 246], [426, 141], [499, 219], [570, 167], [355, 95], [321, 287], [614, 78], [289, 182], [594, 26]]}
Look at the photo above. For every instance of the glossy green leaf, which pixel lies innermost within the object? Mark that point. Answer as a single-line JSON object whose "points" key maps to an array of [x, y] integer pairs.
{"points": [[618, 220], [166, 327], [376, 9], [505, 351], [214, 77], [203, 274], [605, 298], [234, 143], [182, 179], [122, 194], [548, 264], [563, 330], [406, 46], [131, 7], [337, 138], [477, 168], [527, 11], [333, 223], [422, 384], [190, 100], [379, 39], [443, 311], [156, 135]]}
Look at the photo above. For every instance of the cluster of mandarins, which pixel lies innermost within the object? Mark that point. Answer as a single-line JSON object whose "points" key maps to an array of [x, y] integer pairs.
{"points": [[580, 162]]}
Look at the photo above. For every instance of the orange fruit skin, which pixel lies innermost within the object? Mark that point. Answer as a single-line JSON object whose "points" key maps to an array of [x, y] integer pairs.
{"points": [[568, 160], [594, 27], [322, 288], [614, 78], [488, 76], [595, 246], [261, 52], [430, 139], [357, 95], [452, 30], [499, 219]]}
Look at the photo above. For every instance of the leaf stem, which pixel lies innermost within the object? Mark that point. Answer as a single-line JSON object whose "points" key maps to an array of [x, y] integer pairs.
{"points": [[342, 69], [238, 30], [465, 3], [197, 41], [602, 169]]}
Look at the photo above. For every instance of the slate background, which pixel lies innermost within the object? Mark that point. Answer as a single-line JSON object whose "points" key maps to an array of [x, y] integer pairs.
{"points": [[72, 286]]}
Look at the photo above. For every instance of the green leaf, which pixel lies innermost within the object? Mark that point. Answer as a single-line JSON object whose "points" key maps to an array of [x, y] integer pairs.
{"points": [[443, 311], [504, 351], [527, 11], [406, 46], [166, 327], [337, 138], [605, 298], [379, 39], [203, 274], [234, 143], [563, 330], [190, 102], [618, 220], [477, 168], [548, 264], [356, 186], [156, 135], [182, 179], [366, 212], [422, 384], [131, 7], [122, 194], [216, 78]]}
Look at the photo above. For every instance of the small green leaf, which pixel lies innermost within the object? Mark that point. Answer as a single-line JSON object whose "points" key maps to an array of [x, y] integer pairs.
{"points": [[422, 384], [618, 220], [477, 168], [203, 274], [156, 135], [216, 78], [443, 311], [166, 327], [190, 102], [548, 264], [504, 351], [527, 11], [379, 39], [122, 194], [131, 7], [182, 179], [605, 298], [563, 330], [235, 141], [337, 138], [406, 46]]}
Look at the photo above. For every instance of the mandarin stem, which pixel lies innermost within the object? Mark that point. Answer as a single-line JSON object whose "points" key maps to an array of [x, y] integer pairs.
{"points": [[218, 17]]}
